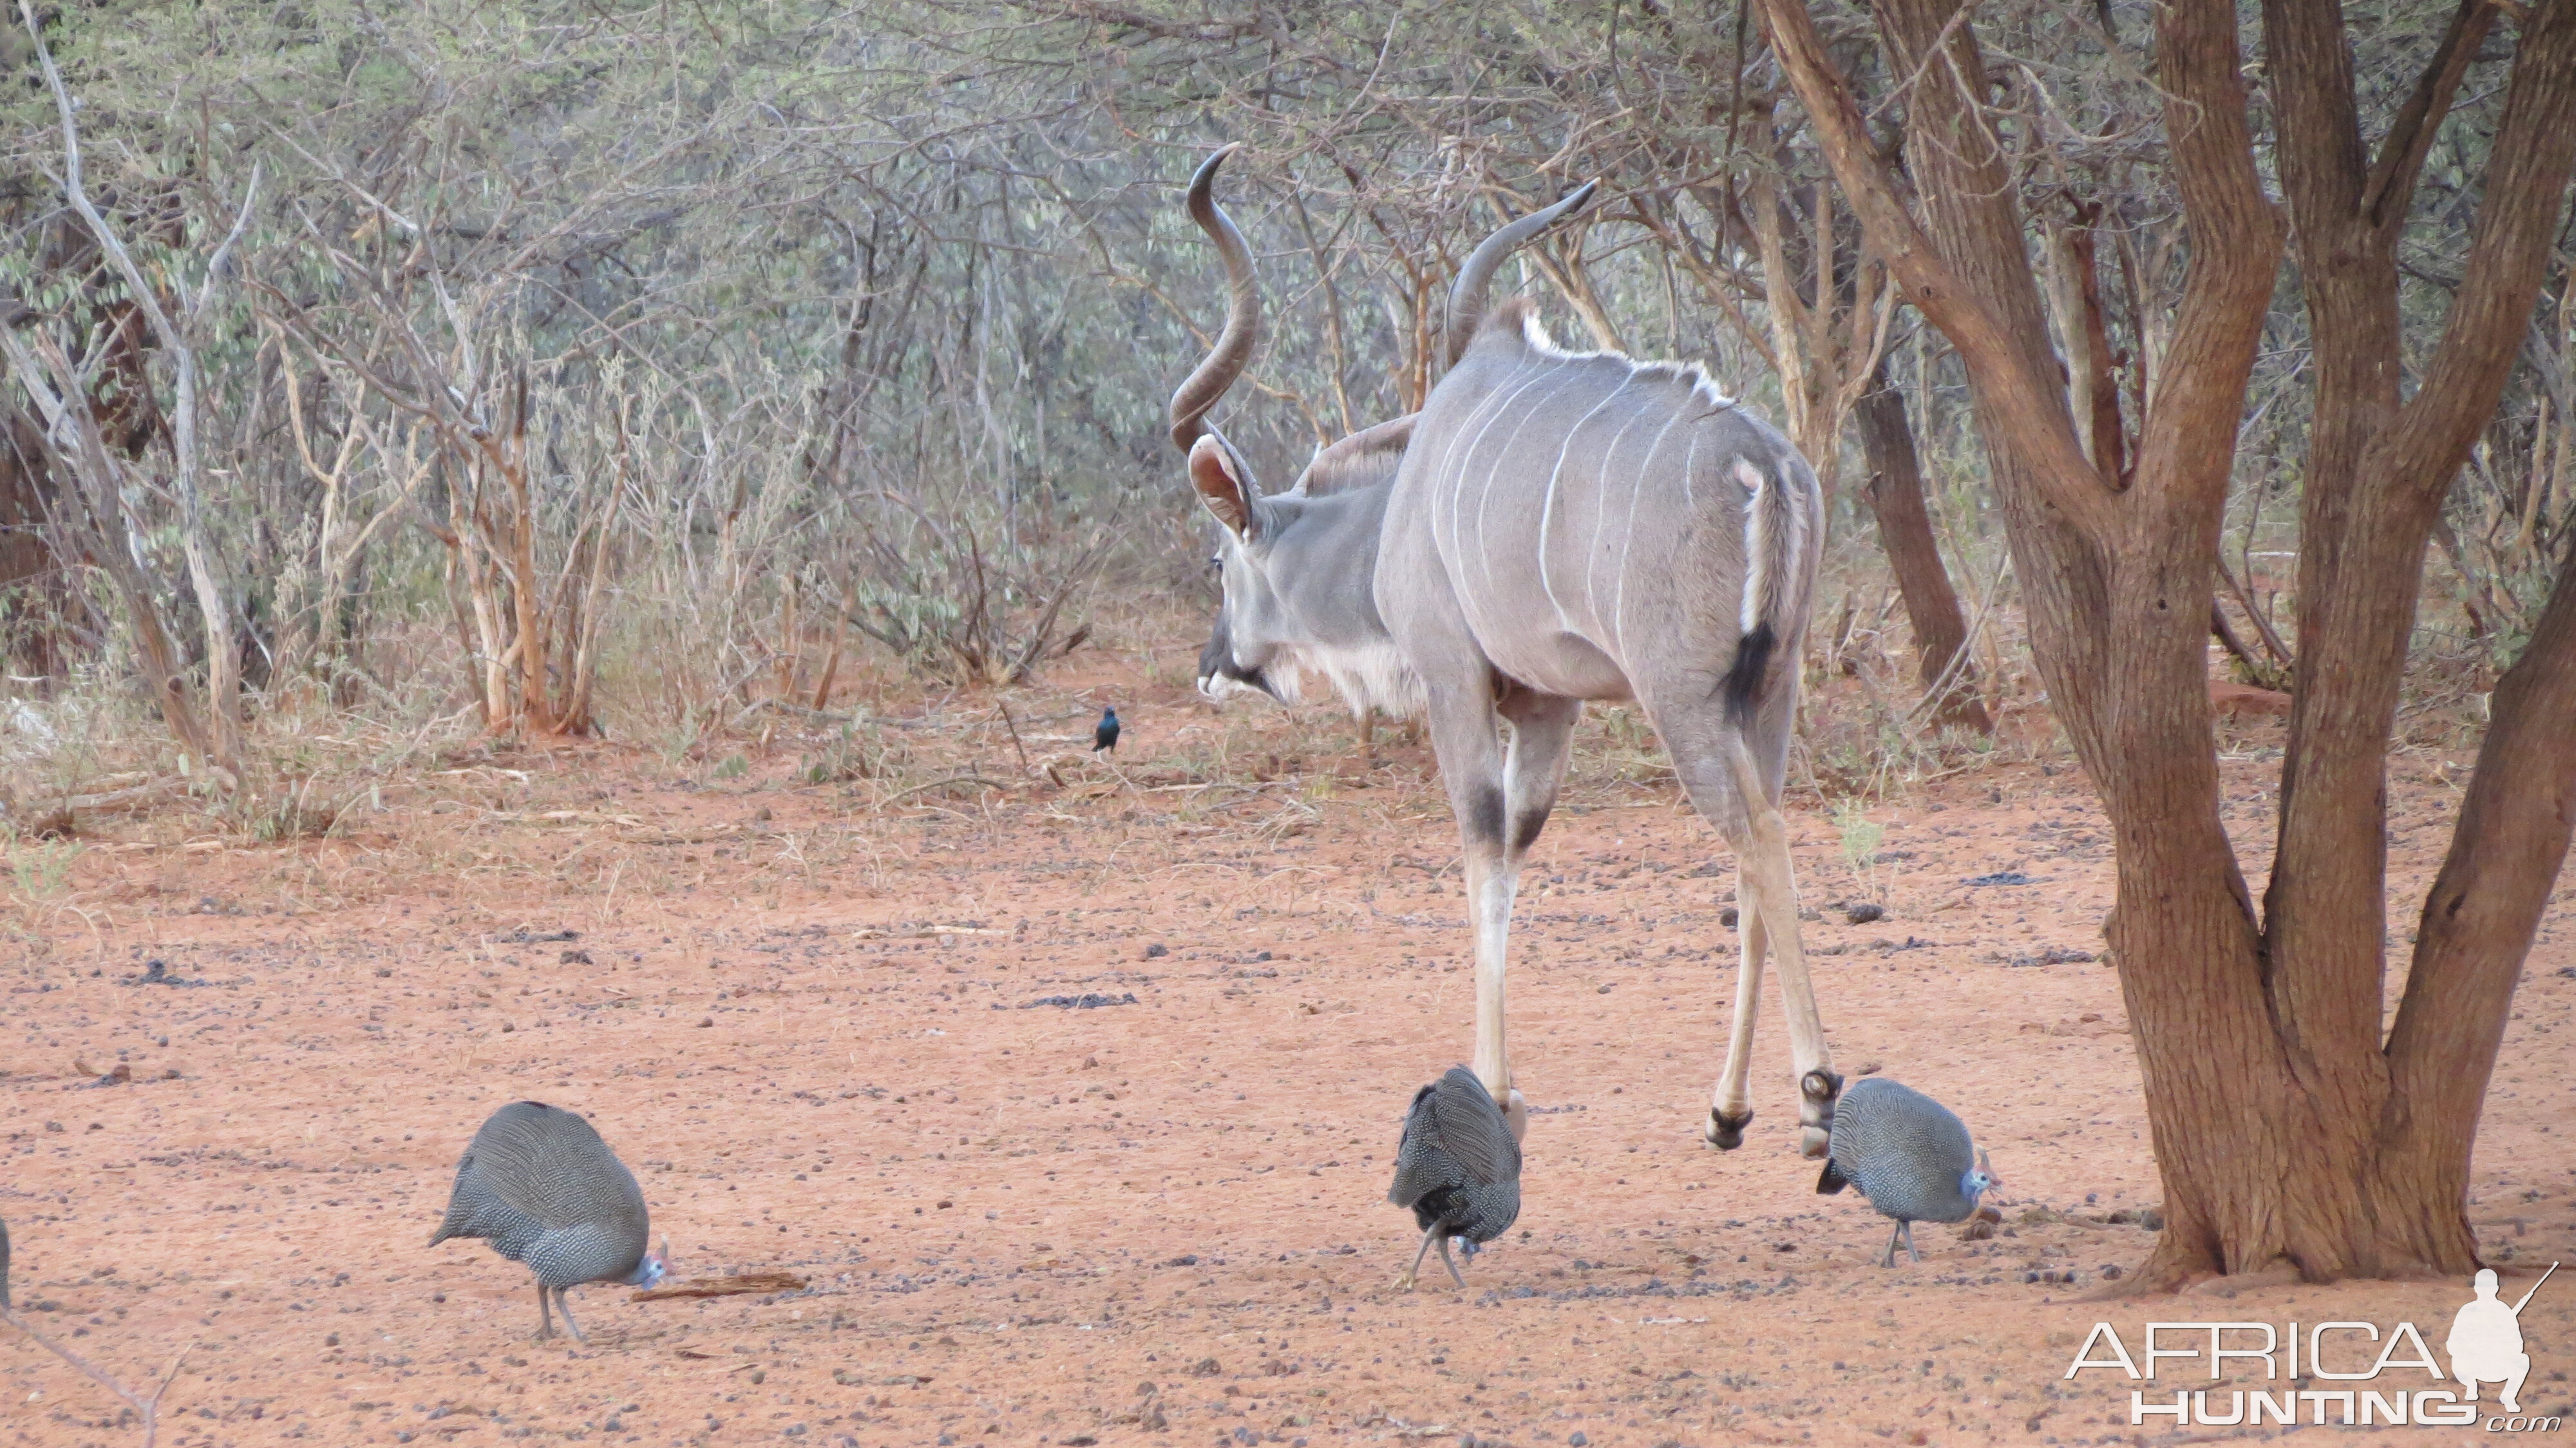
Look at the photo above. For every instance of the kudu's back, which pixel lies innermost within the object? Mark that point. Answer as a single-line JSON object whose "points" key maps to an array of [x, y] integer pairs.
{"points": [[1605, 527]]}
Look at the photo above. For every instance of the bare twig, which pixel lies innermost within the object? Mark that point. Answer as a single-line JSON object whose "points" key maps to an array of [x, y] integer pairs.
{"points": [[146, 1406]]}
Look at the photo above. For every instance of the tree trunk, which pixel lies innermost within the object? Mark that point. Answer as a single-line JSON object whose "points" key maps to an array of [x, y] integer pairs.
{"points": [[34, 588], [2283, 1130], [1905, 534], [2475, 931], [214, 607], [2379, 465]]}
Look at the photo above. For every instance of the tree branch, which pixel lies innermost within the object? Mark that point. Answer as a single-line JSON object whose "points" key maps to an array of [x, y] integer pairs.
{"points": [[2033, 407], [2235, 237], [146, 1406], [2410, 138], [2526, 191], [2485, 906], [2309, 72]]}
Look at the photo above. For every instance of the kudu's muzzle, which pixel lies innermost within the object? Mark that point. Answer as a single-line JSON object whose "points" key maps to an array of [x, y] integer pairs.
{"points": [[1220, 675]]}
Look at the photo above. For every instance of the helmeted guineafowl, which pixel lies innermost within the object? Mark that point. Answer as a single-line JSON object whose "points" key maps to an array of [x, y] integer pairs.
{"points": [[1908, 1154], [542, 1188], [1458, 1167]]}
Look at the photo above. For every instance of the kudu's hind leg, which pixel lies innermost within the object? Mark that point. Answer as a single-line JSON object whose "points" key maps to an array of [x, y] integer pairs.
{"points": [[1766, 867], [1730, 1110], [1727, 789]]}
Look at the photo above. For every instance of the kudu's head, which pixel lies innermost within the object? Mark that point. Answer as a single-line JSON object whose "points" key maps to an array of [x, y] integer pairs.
{"points": [[1258, 641], [1295, 566]]}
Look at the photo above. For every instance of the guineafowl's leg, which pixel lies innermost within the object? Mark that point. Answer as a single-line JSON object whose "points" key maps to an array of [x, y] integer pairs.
{"points": [[1451, 1263], [565, 1303], [545, 1315], [1405, 1279], [1910, 1254], [1888, 1258]]}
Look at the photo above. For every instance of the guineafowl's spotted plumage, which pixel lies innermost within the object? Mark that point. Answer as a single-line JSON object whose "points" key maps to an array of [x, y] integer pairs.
{"points": [[1458, 1168], [541, 1187], [1908, 1154]]}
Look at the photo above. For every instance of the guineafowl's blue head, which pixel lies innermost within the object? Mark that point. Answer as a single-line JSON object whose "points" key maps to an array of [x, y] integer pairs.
{"points": [[650, 1271], [1979, 1179]]}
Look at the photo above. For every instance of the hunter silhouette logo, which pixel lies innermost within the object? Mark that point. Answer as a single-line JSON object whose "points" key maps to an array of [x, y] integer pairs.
{"points": [[2486, 1341], [2349, 1382]]}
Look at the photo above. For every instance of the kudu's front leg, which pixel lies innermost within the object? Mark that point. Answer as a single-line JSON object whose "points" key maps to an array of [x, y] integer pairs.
{"points": [[1492, 882], [1466, 735], [1542, 728]]}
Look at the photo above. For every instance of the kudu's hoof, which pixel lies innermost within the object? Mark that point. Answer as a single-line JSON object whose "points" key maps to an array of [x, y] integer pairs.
{"points": [[1725, 1132], [1817, 1092]]}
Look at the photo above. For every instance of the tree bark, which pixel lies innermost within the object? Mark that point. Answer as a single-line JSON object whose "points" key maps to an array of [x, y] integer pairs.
{"points": [[2475, 931], [2283, 1129], [34, 591], [1905, 535]]}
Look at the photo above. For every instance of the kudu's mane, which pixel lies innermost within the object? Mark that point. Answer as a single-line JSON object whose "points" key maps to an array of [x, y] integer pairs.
{"points": [[1517, 320], [1369, 456]]}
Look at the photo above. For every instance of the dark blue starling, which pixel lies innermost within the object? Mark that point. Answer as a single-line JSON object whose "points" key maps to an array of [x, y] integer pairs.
{"points": [[1106, 736], [1908, 1154], [1458, 1167]]}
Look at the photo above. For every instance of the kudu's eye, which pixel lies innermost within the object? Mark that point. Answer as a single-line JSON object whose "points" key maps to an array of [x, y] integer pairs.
{"points": [[1216, 563]]}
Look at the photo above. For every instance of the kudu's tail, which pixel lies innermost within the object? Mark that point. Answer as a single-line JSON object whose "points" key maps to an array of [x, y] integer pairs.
{"points": [[1778, 554]]}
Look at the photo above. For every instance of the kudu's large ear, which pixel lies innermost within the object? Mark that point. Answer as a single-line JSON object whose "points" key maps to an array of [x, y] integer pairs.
{"points": [[1225, 486]]}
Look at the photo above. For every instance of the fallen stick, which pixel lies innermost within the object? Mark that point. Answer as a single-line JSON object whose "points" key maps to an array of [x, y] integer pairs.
{"points": [[755, 1282]]}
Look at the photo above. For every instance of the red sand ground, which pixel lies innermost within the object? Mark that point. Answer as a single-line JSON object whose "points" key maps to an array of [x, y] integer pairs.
{"points": [[812, 1025]]}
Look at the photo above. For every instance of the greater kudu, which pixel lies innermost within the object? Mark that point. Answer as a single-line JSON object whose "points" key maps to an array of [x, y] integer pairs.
{"points": [[1298, 567], [1552, 527]]}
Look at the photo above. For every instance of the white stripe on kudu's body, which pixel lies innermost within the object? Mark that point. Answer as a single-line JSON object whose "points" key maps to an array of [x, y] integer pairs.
{"points": [[1443, 550]]}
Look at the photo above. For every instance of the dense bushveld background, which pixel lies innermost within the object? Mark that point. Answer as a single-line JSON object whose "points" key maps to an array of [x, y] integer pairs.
{"points": [[440, 373]]}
